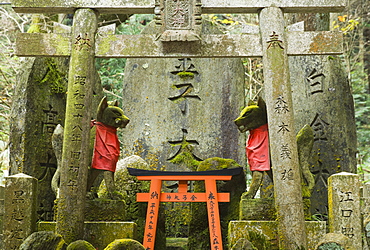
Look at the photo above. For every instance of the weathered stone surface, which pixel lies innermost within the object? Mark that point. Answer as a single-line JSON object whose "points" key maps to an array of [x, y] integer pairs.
{"points": [[243, 244], [2, 210], [100, 234], [38, 106], [365, 211], [76, 141], [44, 240], [178, 103], [268, 230], [334, 241], [198, 227], [344, 207], [257, 209], [282, 139], [125, 244], [105, 210], [321, 82], [147, 7], [20, 209], [216, 46], [80, 245]]}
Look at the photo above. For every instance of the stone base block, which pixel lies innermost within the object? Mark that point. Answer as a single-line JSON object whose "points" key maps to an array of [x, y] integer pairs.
{"points": [[103, 210], [263, 234], [100, 233], [257, 209]]}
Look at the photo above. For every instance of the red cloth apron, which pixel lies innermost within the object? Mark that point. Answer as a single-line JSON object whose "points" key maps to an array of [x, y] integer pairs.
{"points": [[258, 149], [106, 148]]}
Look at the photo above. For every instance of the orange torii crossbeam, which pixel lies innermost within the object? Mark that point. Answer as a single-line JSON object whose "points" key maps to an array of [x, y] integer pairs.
{"points": [[211, 196]]}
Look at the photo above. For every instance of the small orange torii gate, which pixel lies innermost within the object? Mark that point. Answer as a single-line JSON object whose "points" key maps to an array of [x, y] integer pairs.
{"points": [[211, 196]]}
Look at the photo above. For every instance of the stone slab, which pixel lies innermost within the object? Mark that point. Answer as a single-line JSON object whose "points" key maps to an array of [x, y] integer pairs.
{"points": [[128, 46], [148, 6], [103, 210], [239, 229], [257, 209], [100, 234]]}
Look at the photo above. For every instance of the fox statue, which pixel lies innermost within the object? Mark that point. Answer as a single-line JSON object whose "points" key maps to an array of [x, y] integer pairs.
{"points": [[104, 151], [253, 118]]}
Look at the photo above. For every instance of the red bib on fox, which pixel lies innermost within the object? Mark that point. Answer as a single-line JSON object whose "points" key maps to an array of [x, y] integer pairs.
{"points": [[258, 149], [106, 149]]}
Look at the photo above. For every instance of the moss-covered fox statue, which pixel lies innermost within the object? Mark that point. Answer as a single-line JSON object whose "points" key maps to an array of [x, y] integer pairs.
{"points": [[104, 149], [253, 118]]}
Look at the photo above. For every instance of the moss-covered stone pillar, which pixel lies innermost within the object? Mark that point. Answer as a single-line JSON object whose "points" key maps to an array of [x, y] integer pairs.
{"points": [[74, 169], [283, 146]]}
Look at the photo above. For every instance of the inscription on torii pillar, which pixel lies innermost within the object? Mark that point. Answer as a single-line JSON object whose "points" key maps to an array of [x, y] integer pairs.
{"points": [[275, 46]]}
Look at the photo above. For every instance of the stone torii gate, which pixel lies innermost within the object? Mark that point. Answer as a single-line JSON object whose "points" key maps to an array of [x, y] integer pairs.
{"points": [[180, 21]]}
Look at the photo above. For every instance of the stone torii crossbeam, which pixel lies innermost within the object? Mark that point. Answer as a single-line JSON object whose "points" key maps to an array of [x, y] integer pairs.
{"points": [[273, 43]]}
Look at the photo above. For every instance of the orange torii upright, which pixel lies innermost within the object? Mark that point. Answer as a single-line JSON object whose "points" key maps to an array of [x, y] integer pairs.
{"points": [[211, 196]]}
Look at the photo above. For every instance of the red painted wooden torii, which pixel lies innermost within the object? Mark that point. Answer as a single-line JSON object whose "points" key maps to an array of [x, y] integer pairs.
{"points": [[211, 196]]}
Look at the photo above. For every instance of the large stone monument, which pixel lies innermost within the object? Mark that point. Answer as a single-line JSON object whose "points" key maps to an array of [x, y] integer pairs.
{"points": [[180, 103], [38, 106], [322, 82]]}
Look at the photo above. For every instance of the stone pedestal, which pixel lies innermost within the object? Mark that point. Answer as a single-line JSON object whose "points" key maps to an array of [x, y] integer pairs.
{"points": [[100, 233], [103, 210], [20, 209], [264, 233], [344, 207], [257, 209]]}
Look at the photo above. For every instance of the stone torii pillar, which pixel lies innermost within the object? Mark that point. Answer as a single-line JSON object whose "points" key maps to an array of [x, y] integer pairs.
{"points": [[74, 168], [283, 149]]}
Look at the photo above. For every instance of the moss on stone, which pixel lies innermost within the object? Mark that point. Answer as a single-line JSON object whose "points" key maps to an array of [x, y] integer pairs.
{"points": [[35, 26], [54, 78], [186, 157], [43, 240], [185, 75], [259, 240], [125, 244], [80, 245]]}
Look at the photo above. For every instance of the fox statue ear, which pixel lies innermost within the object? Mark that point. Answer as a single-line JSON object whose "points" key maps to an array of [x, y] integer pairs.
{"points": [[261, 103], [102, 106], [251, 102], [115, 103]]}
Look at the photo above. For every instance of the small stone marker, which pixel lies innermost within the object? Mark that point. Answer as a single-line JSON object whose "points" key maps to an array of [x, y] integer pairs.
{"points": [[20, 209], [344, 207]]}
